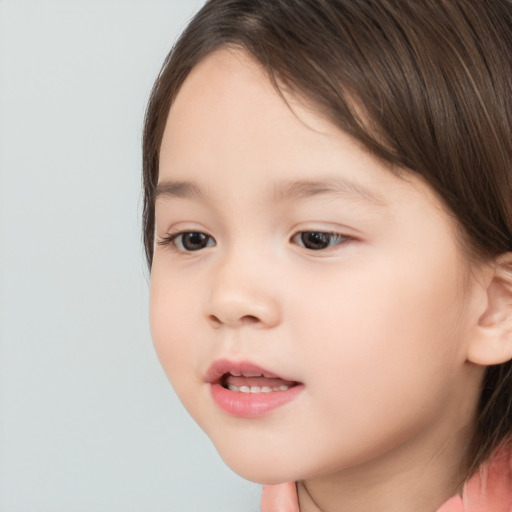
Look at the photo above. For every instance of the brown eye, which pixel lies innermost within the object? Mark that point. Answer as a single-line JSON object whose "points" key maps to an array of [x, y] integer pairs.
{"points": [[318, 240], [192, 241]]}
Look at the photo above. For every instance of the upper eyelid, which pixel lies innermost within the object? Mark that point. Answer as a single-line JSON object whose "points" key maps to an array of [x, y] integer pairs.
{"points": [[325, 232], [330, 233], [333, 247], [170, 236], [178, 232], [169, 240]]}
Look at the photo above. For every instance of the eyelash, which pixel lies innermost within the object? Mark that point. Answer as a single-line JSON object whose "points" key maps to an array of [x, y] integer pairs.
{"points": [[323, 239], [174, 241]]}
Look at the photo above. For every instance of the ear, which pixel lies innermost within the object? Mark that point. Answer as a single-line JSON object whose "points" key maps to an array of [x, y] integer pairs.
{"points": [[492, 343]]}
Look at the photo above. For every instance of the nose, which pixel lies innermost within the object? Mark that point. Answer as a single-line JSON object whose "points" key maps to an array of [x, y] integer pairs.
{"points": [[241, 296]]}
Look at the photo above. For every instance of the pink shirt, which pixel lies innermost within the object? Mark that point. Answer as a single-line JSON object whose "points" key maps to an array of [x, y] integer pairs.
{"points": [[488, 490]]}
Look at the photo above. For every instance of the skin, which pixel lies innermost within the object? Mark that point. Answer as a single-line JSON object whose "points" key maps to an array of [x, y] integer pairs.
{"points": [[377, 327]]}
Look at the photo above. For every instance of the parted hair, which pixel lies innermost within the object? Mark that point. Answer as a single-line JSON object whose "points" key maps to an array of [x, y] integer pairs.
{"points": [[424, 85]]}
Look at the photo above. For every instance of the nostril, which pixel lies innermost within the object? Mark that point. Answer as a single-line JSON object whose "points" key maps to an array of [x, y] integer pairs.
{"points": [[244, 320], [249, 319], [214, 320]]}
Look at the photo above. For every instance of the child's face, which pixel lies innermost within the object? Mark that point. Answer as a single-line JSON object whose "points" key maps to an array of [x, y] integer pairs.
{"points": [[308, 259]]}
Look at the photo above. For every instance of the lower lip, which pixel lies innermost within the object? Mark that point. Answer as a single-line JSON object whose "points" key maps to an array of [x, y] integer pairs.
{"points": [[252, 405]]}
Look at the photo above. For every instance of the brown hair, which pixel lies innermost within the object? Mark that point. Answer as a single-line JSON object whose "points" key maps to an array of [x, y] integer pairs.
{"points": [[433, 79]]}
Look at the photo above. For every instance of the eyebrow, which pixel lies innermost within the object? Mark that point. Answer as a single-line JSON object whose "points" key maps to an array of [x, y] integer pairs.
{"points": [[336, 186], [179, 189], [288, 190]]}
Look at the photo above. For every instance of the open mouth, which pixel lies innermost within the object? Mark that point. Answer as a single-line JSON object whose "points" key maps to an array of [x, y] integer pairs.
{"points": [[254, 382], [245, 390]]}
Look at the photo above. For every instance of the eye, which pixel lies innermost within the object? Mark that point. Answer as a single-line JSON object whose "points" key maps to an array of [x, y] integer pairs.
{"points": [[188, 241], [318, 240]]}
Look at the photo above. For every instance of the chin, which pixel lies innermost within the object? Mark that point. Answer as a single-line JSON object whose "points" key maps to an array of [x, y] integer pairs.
{"points": [[259, 474], [261, 467]]}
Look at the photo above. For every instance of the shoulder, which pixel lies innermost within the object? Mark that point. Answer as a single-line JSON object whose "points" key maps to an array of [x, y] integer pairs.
{"points": [[490, 488]]}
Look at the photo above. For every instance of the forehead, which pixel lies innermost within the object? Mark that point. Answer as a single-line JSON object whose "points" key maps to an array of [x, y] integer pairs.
{"points": [[228, 115], [227, 102]]}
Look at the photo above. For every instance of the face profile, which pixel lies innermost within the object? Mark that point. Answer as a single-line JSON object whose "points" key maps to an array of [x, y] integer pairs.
{"points": [[288, 257]]}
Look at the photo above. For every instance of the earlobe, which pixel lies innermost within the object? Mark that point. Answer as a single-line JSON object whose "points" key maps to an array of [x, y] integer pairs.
{"points": [[492, 343]]}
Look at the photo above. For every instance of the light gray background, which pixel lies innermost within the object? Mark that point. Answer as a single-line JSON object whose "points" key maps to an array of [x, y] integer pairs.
{"points": [[88, 421]]}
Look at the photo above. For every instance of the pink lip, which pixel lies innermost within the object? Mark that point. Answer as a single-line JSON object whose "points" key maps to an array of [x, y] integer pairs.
{"points": [[246, 405], [222, 366]]}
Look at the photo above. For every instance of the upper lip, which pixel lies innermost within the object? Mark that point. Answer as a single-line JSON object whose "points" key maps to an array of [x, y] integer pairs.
{"points": [[223, 366]]}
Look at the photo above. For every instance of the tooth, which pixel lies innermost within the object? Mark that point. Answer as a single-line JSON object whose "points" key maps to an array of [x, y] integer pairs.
{"points": [[276, 388], [283, 388], [245, 389], [251, 374], [255, 389], [232, 388], [266, 389], [235, 374]]}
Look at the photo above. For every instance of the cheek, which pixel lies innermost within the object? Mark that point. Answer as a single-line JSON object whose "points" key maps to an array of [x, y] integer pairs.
{"points": [[381, 335], [172, 322], [376, 352]]}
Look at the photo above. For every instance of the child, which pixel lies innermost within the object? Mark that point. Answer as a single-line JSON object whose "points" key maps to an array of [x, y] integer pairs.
{"points": [[328, 222]]}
